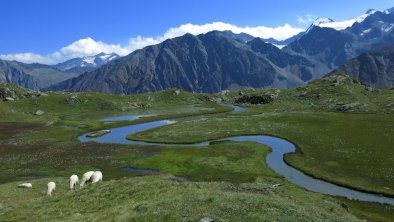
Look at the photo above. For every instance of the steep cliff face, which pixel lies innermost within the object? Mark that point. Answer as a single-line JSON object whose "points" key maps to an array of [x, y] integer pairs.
{"points": [[375, 68]]}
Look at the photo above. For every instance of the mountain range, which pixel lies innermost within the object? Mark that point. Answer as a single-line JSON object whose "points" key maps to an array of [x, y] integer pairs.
{"points": [[38, 76], [224, 60], [33, 76], [204, 63]]}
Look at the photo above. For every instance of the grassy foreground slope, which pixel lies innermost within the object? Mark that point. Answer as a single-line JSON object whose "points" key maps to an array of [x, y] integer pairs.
{"points": [[163, 198]]}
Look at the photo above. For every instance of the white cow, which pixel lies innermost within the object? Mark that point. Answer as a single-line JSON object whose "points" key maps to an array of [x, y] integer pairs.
{"points": [[97, 176], [86, 177], [51, 188], [74, 181], [25, 185]]}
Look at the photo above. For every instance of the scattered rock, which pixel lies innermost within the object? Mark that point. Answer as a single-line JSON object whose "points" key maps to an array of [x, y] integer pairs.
{"points": [[224, 92], [39, 113], [276, 185], [25, 185], [370, 89], [177, 92], [179, 179], [345, 107], [73, 100], [206, 219]]}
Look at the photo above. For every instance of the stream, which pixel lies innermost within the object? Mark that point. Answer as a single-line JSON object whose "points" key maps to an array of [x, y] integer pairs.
{"points": [[275, 160]]}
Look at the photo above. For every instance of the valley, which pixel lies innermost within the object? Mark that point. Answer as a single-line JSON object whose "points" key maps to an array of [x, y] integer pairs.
{"points": [[39, 148]]}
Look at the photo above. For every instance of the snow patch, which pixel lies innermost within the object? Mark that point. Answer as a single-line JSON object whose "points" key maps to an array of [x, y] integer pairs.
{"points": [[329, 23], [279, 46], [366, 31], [388, 28]]}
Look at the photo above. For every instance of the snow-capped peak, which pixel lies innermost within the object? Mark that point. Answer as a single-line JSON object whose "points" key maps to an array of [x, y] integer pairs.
{"points": [[389, 11], [88, 61], [329, 23], [321, 21]]}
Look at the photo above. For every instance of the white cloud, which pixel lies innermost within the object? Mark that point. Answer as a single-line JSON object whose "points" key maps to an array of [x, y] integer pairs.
{"points": [[306, 20], [89, 46], [26, 58], [279, 33]]}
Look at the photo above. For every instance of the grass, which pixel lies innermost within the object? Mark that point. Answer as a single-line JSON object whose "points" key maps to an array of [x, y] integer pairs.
{"points": [[161, 198], [221, 161], [227, 181], [351, 149]]}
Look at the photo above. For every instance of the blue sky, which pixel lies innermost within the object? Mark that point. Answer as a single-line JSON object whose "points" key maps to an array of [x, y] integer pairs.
{"points": [[43, 27]]}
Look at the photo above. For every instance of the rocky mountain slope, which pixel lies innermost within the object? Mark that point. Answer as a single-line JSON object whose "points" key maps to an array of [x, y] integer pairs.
{"points": [[222, 60], [204, 63], [329, 48], [32, 76], [374, 68]]}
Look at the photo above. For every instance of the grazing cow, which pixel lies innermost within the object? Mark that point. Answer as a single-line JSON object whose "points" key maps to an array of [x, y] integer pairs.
{"points": [[25, 185], [86, 177], [74, 182], [97, 176], [51, 188]]}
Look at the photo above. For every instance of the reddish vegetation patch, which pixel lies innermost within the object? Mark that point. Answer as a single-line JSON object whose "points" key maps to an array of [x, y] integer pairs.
{"points": [[11, 129]]}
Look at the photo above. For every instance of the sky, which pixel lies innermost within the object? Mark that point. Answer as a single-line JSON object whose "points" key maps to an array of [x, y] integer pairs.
{"points": [[52, 31]]}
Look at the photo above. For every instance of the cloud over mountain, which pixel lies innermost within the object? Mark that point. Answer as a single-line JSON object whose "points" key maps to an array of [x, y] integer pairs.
{"points": [[88, 46]]}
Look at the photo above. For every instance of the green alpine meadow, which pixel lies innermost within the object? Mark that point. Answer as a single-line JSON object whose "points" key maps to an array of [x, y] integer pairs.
{"points": [[226, 180]]}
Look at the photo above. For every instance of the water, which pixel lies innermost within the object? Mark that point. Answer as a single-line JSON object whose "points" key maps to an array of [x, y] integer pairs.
{"points": [[140, 171], [235, 108], [275, 160]]}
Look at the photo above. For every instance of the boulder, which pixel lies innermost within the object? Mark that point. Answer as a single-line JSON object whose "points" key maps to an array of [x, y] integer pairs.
{"points": [[73, 100], [9, 99], [255, 99], [345, 107], [39, 113], [206, 219]]}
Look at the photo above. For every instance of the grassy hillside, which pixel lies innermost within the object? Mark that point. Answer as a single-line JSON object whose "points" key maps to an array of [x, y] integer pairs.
{"points": [[164, 198]]}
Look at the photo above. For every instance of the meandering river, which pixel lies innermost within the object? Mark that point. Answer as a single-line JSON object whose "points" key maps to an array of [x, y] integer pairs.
{"points": [[275, 160]]}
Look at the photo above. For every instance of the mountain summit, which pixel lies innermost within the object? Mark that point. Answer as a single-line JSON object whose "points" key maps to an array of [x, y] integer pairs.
{"points": [[87, 63], [330, 23]]}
